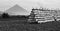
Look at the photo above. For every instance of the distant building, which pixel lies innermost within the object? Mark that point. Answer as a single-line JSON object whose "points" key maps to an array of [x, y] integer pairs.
{"points": [[17, 10]]}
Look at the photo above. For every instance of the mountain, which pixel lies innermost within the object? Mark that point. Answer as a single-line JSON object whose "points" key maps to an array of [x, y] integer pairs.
{"points": [[17, 10]]}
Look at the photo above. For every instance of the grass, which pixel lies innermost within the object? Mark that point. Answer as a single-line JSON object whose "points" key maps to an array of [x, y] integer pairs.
{"points": [[15, 24]]}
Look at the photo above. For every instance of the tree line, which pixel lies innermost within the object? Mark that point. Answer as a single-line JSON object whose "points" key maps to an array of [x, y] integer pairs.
{"points": [[6, 15]]}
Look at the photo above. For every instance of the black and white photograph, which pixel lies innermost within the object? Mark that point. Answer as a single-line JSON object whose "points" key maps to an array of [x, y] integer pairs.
{"points": [[29, 15]]}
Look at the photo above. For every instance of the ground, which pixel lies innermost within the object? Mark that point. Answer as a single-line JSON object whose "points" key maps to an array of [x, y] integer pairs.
{"points": [[20, 24]]}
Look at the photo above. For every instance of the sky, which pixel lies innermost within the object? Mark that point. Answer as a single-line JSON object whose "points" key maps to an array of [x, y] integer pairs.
{"points": [[29, 4]]}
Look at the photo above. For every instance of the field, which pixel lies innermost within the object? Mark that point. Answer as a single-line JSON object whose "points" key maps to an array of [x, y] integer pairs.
{"points": [[20, 24]]}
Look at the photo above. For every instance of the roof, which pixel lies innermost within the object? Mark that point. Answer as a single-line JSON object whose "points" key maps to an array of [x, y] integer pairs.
{"points": [[17, 10]]}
